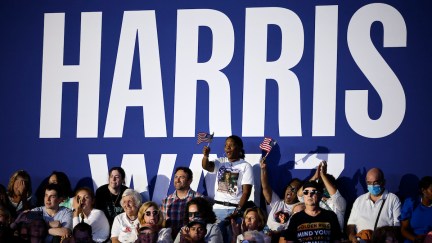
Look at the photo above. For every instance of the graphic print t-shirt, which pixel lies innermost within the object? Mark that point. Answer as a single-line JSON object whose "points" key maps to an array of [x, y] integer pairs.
{"points": [[322, 228], [230, 178]]}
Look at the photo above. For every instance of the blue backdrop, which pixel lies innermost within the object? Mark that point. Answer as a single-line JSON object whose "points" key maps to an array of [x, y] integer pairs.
{"points": [[88, 85]]}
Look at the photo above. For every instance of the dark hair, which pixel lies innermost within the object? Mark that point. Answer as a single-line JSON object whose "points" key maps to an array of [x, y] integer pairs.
{"points": [[89, 191], [317, 185], [381, 233], [238, 141], [120, 170], [205, 208], [45, 231], [3, 196], [83, 227], [27, 182], [283, 213], [425, 183], [55, 187], [291, 181], [63, 182], [185, 170]]}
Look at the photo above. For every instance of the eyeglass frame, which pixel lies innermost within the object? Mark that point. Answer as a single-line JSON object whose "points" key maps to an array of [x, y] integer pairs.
{"points": [[194, 214], [151, 213], [311, 192]]}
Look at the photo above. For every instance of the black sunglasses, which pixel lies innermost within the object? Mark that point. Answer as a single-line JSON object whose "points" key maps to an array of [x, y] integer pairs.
{"points": [[194, 214], [149, 213], [312, 192]]}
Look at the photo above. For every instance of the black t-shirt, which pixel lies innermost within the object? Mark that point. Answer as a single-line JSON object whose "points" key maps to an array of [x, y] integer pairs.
{"points": [[319, 229], [108, 202]]}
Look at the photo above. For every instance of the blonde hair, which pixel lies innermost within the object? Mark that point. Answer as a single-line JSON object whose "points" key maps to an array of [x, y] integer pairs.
{"points": [[27, 182], [260, 214], [143, 209]]}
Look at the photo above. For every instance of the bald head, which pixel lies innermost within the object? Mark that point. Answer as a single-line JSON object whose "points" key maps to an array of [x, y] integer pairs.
{"points": [[375, 176]]}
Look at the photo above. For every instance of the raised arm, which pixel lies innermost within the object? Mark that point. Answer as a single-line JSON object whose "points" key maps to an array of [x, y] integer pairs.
{"points": [[205, 162], [323, 174], [266, 188]]}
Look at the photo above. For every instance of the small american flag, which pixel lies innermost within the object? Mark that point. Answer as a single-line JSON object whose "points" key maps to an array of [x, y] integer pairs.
{"points": [[267, 144], [204, 137]]}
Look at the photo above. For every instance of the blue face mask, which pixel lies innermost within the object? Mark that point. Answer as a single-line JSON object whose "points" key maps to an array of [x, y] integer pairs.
{"points": [[374, 189]]}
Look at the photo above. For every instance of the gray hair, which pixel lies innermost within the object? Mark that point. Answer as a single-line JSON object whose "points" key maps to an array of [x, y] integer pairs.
{"points": [[135, 195]]}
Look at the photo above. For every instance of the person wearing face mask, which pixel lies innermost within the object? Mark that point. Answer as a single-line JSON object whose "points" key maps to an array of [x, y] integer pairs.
{"points": [[376, 208]]}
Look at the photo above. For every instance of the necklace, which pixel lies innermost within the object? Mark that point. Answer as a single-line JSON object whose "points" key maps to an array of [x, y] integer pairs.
{"points": [[114, 202], [131, 221]]}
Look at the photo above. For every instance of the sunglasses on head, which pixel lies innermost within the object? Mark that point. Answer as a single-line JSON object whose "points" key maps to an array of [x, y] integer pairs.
{"points": [[154, 213], [312, 192], [194, 214]]}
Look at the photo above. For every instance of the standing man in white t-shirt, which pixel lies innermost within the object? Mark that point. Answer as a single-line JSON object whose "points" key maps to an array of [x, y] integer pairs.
{"points": [[278, 206]]}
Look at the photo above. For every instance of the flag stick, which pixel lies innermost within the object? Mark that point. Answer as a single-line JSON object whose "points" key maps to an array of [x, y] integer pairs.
{"points": [[211, 139]]}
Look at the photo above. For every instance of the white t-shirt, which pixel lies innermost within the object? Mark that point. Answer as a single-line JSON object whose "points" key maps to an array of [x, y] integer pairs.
{"points": [[99, 223], [278, 207], [364, 211], [229, 180], [124, 229], [337, 204]]}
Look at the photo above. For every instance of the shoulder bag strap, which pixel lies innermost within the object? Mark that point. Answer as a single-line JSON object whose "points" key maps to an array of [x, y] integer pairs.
{"points": [[379, 213]]}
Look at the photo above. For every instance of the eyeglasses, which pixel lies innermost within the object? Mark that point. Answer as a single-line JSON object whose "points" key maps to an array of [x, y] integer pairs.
{"points": [[312, 192], [149, 213], [292, 189], [373, 183], [194, 214]]}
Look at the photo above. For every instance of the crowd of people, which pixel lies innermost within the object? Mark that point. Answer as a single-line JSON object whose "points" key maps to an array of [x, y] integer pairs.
{"points": [[311, 210]]}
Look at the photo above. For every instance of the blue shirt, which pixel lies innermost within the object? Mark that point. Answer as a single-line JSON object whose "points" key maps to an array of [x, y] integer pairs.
{"points": [[418, 215]]}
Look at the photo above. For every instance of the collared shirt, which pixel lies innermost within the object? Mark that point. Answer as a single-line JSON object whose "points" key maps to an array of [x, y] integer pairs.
{"points": [[364, 211], [174, 209]]}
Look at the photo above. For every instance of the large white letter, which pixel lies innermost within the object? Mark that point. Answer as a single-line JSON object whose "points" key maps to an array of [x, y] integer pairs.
{"points": [[376, 70], [54, 73], [324, 92], [257, 70], [189, 71], [150, 97], [135, 168]]}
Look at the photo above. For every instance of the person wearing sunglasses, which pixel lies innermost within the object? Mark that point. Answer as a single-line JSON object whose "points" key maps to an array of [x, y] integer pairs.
{"points": [[125, 225], [150, 215], [313, 224], [332, 199], [201, 208], [279, 207], [173, 206]]}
